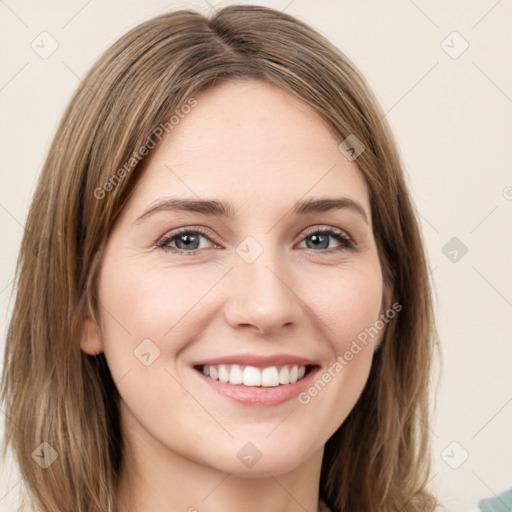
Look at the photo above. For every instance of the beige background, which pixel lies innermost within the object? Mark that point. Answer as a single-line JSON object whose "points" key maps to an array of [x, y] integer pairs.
{"points": [[453, 121]]}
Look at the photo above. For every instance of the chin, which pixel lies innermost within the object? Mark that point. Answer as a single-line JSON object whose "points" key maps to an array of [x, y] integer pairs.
{"points": [[257, 461]]}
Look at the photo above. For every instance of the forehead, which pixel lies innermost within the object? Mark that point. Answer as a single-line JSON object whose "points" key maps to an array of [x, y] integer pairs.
{"points": [[250, 141]]}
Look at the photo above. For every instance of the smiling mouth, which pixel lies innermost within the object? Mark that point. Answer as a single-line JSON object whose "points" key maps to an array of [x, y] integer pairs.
{"points": [[251, 376]]}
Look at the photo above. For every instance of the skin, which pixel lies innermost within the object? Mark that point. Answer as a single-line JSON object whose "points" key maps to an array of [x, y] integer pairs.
{"points": [[260, 149]]}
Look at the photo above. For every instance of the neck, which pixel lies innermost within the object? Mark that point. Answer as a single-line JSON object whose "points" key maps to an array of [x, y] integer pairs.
{"points": [[155, 478]]}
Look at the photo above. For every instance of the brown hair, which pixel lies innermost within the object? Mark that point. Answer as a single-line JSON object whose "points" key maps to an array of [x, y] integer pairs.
{"points": [[53, 392]]}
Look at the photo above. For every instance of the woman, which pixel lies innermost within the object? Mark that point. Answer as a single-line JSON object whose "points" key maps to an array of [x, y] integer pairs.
{"points": [[223, 300]]}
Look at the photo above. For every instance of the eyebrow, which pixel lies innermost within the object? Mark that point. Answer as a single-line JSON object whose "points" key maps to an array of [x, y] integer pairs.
{"points": [[221, 208]]}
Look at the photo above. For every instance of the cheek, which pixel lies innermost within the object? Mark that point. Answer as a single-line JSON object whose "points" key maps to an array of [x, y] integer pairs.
{"points": [[142, 301], [349, 308], [348, 303], [149, 315]]}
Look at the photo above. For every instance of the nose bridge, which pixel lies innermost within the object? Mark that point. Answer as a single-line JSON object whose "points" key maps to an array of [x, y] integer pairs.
{"points": [[261, 292]]}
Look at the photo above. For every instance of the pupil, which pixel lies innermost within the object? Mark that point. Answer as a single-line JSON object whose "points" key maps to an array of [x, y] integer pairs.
{"points": [[317, 238], [187, 240]]}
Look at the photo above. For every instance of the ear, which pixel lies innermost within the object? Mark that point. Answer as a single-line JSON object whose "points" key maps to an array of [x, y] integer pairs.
{"points": [[387, 295], [91, 341]]}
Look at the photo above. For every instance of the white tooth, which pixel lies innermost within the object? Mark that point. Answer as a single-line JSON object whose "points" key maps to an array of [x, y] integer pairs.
{"points": [[284, 375], [270, 377], [223, 374], [252, 376], [236, 375]]}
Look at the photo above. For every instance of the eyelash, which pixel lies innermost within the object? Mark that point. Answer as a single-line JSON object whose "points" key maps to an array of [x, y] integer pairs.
{"points": [[344, 240]]}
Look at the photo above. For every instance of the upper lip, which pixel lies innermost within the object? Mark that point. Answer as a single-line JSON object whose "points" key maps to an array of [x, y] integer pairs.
{"points": [[257, 360]]}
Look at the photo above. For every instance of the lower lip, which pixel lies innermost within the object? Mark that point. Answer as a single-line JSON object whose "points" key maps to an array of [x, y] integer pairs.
{"points": [[258, 396]]}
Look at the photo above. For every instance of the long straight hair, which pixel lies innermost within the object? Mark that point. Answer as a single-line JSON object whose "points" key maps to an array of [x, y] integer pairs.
{"points": [[54, 393]]}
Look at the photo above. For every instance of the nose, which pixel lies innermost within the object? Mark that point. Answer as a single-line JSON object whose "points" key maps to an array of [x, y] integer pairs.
{"points": [[262, 297]]}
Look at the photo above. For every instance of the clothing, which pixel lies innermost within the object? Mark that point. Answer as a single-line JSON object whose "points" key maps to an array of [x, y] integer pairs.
{"points": [[500, 503]]}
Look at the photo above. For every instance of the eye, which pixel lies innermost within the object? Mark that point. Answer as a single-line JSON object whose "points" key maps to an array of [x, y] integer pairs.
{"points": [[320, 239], [185, 240], [188, 240]]}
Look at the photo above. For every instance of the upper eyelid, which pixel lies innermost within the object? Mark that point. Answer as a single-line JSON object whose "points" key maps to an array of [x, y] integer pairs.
{"points": [[174, 233], [325, 227]]}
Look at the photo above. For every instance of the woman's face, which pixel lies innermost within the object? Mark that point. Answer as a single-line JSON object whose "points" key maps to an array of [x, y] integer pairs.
{"points": [[275, 279]]}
